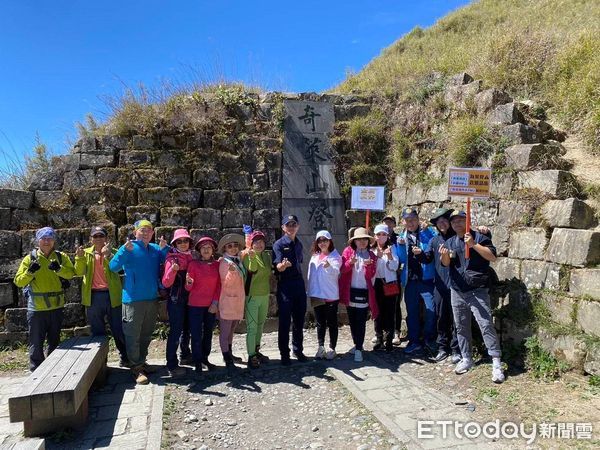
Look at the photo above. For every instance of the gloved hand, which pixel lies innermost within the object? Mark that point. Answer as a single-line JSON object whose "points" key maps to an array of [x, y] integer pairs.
{"points": [[34, 267], [54, 266]]}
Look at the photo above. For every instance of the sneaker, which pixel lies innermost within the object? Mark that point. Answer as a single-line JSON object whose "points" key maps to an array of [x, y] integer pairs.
{"points": [[497, 372], [358, 357], [286, 361], [320, 352], [374, 340], [331, 354], [432, 347], [177, 372], [396, 340], [413, 347], [263, 358], [198, 371], [141, 378], [124, 362], [300, 356], [352, 350], [253, 362], [455, 359], [463, 366], [442, 355]]}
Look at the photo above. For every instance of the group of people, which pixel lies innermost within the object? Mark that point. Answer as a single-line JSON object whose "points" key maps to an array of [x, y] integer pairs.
{"points": [[441, 266]]}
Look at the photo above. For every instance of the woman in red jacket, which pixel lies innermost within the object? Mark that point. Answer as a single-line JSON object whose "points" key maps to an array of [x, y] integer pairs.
{"points": [[356, 286], [204, 285]]}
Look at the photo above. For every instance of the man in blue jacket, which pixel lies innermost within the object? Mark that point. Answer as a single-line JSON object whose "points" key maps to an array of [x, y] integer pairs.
{"points": [[140, 260], [418, 281]]}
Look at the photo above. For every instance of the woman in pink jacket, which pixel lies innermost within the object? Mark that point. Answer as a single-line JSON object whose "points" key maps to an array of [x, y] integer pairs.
{"points": [[173, 279], [233, 294], [356, 286]]}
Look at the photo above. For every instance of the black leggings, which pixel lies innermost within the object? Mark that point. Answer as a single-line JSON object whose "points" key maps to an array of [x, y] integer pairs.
{"points": [[385, 318], [326, 316], [358, 324]]}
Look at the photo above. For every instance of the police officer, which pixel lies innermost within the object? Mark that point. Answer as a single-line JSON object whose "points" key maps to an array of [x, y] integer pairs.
{"points": [[291, 291], [43, 275]]}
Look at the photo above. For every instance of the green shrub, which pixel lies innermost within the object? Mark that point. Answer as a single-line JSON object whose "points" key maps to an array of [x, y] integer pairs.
{"points": [[469, 141], [541, 363]]}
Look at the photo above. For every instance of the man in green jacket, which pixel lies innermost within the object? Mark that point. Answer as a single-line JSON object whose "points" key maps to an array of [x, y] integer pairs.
{"points": [[101, 289], [42, 275]]}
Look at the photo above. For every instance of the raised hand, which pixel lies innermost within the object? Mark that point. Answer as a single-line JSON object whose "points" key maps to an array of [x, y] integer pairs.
{"points": [[326, 263], [443, 250], [34, 267], [54, 266], [469, 240], [189, 280], [353, 260], [162, 242], [175, 267], [231, 267], [388, 253], [106, 250], [128, 245], [251, 253], [416, 250], [79, 251]]}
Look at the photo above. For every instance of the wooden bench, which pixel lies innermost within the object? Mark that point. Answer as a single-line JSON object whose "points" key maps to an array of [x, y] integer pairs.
{"points": [[55, 396]]}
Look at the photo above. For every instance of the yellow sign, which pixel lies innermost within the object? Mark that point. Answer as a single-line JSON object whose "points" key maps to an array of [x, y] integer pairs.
{"points": [[469, 182]]}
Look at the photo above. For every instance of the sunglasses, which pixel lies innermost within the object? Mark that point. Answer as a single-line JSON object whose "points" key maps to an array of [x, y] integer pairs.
{"points": [[232, 245], [182, 241], [98, 236]]}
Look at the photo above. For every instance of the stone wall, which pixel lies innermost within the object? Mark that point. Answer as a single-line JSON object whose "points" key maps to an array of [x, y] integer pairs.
{"points": [[208, 183]]}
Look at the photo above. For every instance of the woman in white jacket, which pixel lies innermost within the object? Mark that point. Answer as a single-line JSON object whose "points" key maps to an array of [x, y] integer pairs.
{"points": [[323, 290], [386, 286]]}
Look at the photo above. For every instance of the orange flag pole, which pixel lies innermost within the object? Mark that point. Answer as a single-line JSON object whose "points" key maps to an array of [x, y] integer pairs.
{"points": [[468, 223]]}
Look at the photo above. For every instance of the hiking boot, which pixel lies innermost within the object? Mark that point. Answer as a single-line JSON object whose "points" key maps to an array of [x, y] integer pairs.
{"points": [[140, 377], [378, 346], [320, 352], [235, 358], [186, 360], [253, 362], [198, 371], [177, 372], [124, 362], [463, 366], [358, 357], [263, 358], [431, 347], [209, 366], [413, 347], [229, 364], [286, 361], [300, 356], [442, 355], [149, 369], [330, 354]]}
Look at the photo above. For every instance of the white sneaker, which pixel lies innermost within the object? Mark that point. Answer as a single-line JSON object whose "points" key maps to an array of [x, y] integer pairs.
{"points": [[396, 340], [358, 356], [374, 340], [320, 352], [455, 358], [497, 372], [463, 366], [331, 354], [352, 350]]}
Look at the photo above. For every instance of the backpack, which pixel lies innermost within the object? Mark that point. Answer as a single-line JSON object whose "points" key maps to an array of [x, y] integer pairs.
{"points": [[65, 284]]}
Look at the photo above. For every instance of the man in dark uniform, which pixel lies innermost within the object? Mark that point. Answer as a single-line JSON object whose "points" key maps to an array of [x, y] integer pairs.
{"points": [[291, 291]]}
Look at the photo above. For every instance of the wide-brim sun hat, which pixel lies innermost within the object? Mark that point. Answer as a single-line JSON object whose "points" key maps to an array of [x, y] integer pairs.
{"points": [[230, 238], [205, 240], [361, 233], [180, 233], [441, 212]]}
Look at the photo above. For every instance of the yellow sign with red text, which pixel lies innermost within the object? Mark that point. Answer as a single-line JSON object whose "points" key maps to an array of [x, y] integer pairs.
{"points": [[469, 182]]}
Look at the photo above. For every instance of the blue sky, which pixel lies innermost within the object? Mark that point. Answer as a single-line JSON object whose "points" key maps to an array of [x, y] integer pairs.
{"points": [[60, 58]]}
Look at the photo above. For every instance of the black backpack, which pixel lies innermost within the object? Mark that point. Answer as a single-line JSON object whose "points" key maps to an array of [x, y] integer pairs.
{"points": [[65, 284]]}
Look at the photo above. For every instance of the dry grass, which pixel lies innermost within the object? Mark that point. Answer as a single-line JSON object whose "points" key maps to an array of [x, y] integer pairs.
{"points": [[547, 50]]}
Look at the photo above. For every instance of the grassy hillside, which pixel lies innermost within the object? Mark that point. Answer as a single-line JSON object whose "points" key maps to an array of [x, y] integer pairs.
{"points": [[546, 50]]}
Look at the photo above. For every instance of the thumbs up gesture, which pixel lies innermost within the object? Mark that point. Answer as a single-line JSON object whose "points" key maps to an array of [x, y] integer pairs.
{"points": [[189, 280], [128, 245], [79, 251]]}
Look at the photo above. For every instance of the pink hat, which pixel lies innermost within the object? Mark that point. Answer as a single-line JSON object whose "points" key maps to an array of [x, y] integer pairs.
{"points": [[180, 233], [257, 235], [205, 240]]}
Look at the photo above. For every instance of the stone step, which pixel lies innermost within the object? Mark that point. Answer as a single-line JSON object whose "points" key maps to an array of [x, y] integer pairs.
{"points": [[555, 183], [533, 157]]}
